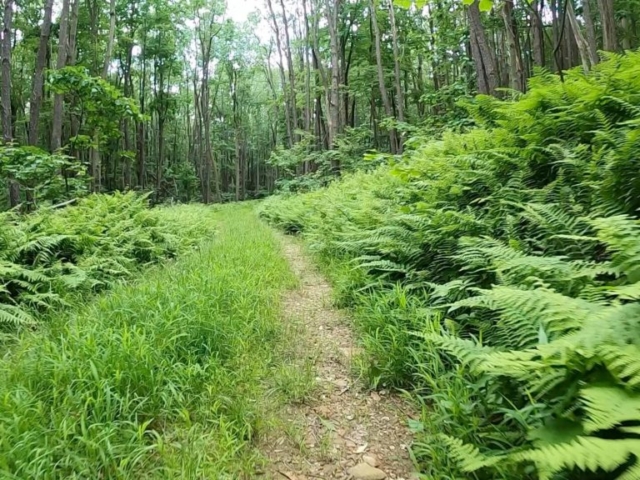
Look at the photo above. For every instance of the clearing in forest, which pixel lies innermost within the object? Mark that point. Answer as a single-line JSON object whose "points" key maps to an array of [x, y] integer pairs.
{"points": [[341, 431]]}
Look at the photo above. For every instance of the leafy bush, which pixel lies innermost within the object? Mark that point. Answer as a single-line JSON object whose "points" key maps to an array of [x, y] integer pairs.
{"points": [[50, 254], [497, 276]]}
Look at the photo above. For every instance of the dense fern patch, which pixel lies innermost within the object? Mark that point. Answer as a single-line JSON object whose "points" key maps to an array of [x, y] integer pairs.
{"points": [[48, 256], [496, 274]]}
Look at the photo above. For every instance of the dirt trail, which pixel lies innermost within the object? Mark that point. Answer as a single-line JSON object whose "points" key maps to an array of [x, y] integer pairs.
{"points": [[342, 426]]}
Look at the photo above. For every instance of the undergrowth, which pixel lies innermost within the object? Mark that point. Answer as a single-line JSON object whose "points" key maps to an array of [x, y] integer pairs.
{"points": [[50, 256], [166, 377], [495, 274]]}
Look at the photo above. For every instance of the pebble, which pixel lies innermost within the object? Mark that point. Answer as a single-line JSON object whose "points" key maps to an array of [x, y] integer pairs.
{"points": [[364, 471], [371, 460]]}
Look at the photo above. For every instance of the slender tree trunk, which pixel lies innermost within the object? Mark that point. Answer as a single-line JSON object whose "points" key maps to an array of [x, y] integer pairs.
{"points": [[388, 109], [489, 66], [591, 31], [287, 110], [5, 94], [518, 81], [161, 154], [307, 70], [538, 33], [292, 73], [72, 51], [38, 76], [396, 69], [61, 61], [111, 38], [335, 105], [626, 34], [609, 34], [128, 92], [141, 133], [583, 47]]}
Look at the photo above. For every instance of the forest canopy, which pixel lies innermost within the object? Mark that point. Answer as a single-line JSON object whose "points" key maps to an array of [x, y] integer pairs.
{"points": [[192, 101]]}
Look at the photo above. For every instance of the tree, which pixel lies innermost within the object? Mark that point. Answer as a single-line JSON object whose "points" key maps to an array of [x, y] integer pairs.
{"points": [[609, 34], [7, 121]]}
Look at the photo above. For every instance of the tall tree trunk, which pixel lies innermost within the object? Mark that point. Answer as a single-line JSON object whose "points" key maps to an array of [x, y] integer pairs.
{"points": [[386, 102], [72, 51], [481, 74], [38, 76], [61, 61], [72, 54], [609, 34], [558, 34], [141, 133], [110, 39], [307, 70], [489, 66], [161, 154], [283, 80], [5, 94], [335, 104], [518, 81], [396, 70], [128, 92], [583, 47], [626, 33], [538, 33], [591, 31], [292, 72]]}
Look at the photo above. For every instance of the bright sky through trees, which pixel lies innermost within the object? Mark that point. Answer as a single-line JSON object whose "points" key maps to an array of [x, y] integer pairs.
{"points": [[239, 10]]}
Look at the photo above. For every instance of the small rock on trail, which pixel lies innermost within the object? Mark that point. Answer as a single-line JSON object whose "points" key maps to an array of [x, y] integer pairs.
{"points": [[364, 471]]}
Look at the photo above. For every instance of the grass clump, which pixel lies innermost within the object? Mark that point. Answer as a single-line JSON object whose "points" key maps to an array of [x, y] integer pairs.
{"points": [[163, 378], [494, 273]]}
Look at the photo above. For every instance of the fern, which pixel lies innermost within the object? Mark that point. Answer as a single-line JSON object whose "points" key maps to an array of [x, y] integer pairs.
{"points": [[521, 240]]}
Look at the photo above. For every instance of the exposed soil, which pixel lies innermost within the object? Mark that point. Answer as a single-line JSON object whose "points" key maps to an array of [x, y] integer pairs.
{"points": [[343, 424]]}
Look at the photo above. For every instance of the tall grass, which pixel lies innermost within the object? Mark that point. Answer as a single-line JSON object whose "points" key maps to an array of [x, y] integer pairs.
{"points": [[163, 378]]}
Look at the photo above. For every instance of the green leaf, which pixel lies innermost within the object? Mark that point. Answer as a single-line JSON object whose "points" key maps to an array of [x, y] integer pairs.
{"points": [[403, 3], [485, 5]]}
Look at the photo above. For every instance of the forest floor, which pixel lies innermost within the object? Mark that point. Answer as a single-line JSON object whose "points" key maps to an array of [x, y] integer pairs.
{"points": [[338, 429]]}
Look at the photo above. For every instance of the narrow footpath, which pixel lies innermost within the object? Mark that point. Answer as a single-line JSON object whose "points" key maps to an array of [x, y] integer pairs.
{"points": [[342, 431]]}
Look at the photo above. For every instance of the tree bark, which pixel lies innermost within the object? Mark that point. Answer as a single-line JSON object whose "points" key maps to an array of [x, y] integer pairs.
{"points": [[388, 109], [396, 69], [538, 33], [486, 57], [583, 47], [292, 73], [61, 61], [141, 133], [591, 31], [38, 76], [5, 94], [609, 34], [111, 38], [518, 81], [283, 80], [335, 105]]}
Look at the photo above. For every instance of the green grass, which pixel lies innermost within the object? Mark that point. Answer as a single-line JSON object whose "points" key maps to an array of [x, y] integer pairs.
{"points": [[162, 378]]}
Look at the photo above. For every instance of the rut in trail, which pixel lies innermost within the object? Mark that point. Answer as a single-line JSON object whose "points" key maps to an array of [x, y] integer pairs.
{"points": [[343, 425]]}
